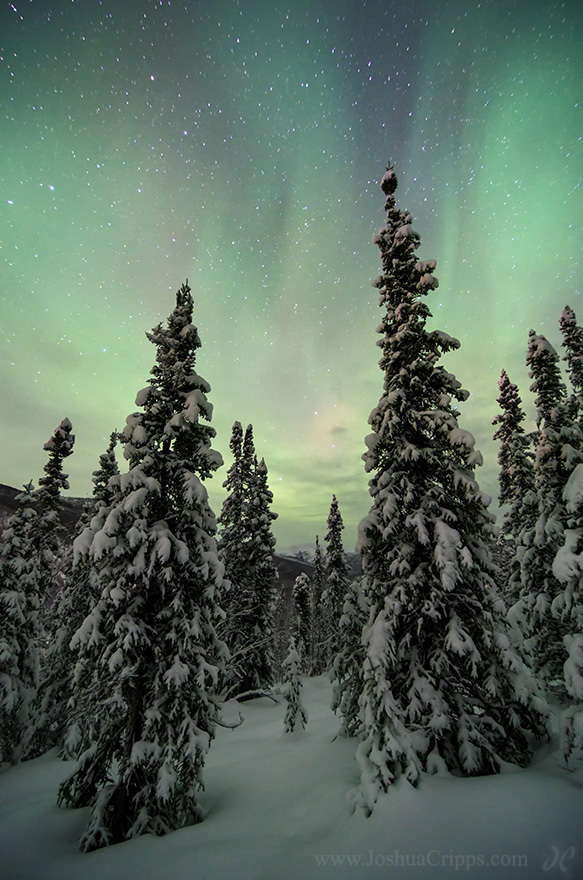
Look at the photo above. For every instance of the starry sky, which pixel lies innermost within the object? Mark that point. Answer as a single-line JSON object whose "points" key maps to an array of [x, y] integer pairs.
{"points": [[240, 144]]}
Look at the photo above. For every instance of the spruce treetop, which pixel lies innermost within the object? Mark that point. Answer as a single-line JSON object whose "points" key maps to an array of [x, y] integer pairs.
{"points": [[59, 447], [335, 555], [236, 441], [573, 344], [263, 497], [550, 390], [174, 401], [232, 513], [249, 444], [516, 476], [418, 391], [108, 467], [417, 446], [512, 416]]}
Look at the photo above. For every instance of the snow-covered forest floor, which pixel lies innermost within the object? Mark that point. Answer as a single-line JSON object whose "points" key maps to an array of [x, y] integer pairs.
{"points": [[277, 810]]}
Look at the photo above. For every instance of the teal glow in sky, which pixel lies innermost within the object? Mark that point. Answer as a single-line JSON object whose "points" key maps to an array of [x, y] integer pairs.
{"points": [[240, 145]]}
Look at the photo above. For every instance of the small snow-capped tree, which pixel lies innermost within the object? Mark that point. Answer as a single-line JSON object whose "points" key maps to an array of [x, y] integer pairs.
{"points": [[516, 476], [56, 723], [558, 450], [567, 607], [516, 479], [28, 555], [320, 629], [295, 713], [232, 512], [50, 532], [50, 546], [149, 647], [20, 629], [442, 684], [246, 547], [59, 447], [347, 666], [303, 631], [337, 577]]}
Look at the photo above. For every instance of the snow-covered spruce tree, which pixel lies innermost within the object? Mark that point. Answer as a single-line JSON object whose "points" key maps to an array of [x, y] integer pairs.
{"points": [[568, 608], [337, 578], [248, 450], [558, 449], [573, 345], [347, 667], [231, 545], [442, 684], [149, 644], [295, 712], [20, 629], [56, 723], [516, 475], [320, 628], [232, 512], [568, 563], [516, 480], [246, 547], [28, 555], [50, 532], [260, 657], [303, 631]]}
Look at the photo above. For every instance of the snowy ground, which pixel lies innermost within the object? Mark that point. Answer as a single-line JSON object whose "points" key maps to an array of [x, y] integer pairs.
{"points": [[277, 811]]}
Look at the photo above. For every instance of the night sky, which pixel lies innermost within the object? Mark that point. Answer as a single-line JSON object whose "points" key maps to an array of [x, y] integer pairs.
{"points": [[240, 145]]}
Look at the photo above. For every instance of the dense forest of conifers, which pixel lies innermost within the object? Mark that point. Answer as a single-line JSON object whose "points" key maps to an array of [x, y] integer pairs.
{"points": [[120, 648]]}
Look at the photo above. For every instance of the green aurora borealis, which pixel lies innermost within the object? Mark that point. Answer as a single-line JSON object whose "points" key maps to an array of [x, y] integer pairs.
{"points": [[240, 145]]}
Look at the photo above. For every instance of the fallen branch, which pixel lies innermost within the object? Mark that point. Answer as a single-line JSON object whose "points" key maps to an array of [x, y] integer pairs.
{"points": [[251, 695]]}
